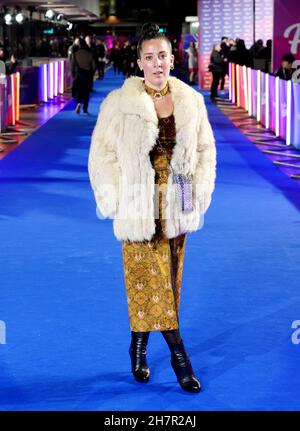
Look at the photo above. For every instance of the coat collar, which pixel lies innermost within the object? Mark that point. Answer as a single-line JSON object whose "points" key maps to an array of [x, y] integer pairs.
{"points": [[135, 100]]}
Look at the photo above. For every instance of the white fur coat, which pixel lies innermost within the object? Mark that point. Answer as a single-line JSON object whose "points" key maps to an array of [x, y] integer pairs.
{"points": [[120, 170]]}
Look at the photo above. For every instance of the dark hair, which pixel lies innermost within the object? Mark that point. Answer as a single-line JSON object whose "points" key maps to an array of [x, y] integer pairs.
{"points": [[150, 31], [290, 58], [83, 44]]}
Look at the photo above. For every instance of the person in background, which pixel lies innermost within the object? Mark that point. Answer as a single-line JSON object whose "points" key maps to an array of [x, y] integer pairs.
{"points": [[225, 47], [216, 68], [90, 46], [10, 61], [242, 54], [286, 69], [100, 50], [192, 62], [72, 49], [83, 69]]}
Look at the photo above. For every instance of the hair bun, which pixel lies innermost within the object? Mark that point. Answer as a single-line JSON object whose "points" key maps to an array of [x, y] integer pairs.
{"points": [[149, 29]]}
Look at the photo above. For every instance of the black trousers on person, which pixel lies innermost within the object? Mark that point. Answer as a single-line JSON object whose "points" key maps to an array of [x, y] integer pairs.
{"points": [[82, 87], [223, 74], [100, 67], [215, 84]]}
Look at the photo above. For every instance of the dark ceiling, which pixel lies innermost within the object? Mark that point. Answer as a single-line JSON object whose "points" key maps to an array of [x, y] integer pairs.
{"points": [[169, 11]]}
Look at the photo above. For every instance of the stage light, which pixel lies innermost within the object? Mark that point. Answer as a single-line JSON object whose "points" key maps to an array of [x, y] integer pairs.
{"points": [[59, 17], [69, 26], [49, 14], [19, 18], [8, 18]]}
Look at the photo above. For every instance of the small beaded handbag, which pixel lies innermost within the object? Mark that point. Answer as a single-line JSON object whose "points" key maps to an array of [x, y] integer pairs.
{"points": [[184, 192]]}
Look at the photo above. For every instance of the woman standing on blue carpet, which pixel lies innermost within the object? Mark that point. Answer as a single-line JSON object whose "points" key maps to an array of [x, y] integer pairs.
{"points": [[152, 166]]}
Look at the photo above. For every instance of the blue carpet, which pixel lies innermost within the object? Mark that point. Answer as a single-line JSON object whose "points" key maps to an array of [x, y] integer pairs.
{"points": [[62, 294]]}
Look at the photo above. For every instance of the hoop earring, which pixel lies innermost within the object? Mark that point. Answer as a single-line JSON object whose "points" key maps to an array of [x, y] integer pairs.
{"points": [[172, 67]]}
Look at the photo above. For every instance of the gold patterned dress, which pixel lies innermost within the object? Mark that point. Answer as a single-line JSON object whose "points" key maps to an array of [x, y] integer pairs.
{"points": [[153, 269]]}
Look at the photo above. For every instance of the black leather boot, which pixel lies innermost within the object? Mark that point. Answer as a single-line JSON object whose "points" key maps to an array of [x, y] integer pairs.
{"points": [[183, 368], [137, 352]]}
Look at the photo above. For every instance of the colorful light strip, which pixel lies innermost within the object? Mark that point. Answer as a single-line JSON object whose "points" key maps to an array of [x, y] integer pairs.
{"points": [[245, 87], [258, 90], [13, 107], [45, 83], [17, 96], [238, 88], [233, 83], [51, 79], [267, 106], [249, 92], [230, 80], [289, 113], [277, 102], [55, 78], [62, 73]]}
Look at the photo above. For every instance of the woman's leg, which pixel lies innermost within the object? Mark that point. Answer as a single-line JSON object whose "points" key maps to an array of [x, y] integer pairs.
{"points": [[180, 361], [172, 337], [137, 352]]}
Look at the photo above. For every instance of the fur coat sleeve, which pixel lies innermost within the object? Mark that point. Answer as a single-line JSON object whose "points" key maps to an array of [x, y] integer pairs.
{"points": [[205, 172], [103, 163]]}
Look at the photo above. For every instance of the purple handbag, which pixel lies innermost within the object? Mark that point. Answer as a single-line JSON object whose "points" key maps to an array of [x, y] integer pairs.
{"points": [[184, 192]]}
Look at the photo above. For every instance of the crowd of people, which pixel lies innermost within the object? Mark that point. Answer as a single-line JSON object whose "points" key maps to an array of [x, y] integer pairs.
{"points": [[9, 61], [235, 51], [44, 46], [89, 56], [121, 56], [123, 59]]}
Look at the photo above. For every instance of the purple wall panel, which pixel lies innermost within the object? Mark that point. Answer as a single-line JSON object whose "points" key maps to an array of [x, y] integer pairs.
{"points": [[232, 18], [286, 30], [264, 19]]}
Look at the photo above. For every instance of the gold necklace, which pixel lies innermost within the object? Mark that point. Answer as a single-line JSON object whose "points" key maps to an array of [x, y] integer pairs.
{"points": [[157, 94]]}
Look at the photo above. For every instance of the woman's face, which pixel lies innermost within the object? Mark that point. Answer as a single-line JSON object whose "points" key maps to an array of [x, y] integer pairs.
{"points": [[156, 60]]}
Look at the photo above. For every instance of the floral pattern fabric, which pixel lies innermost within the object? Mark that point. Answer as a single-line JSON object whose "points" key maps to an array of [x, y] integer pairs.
{"points": [[153, 269]]}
